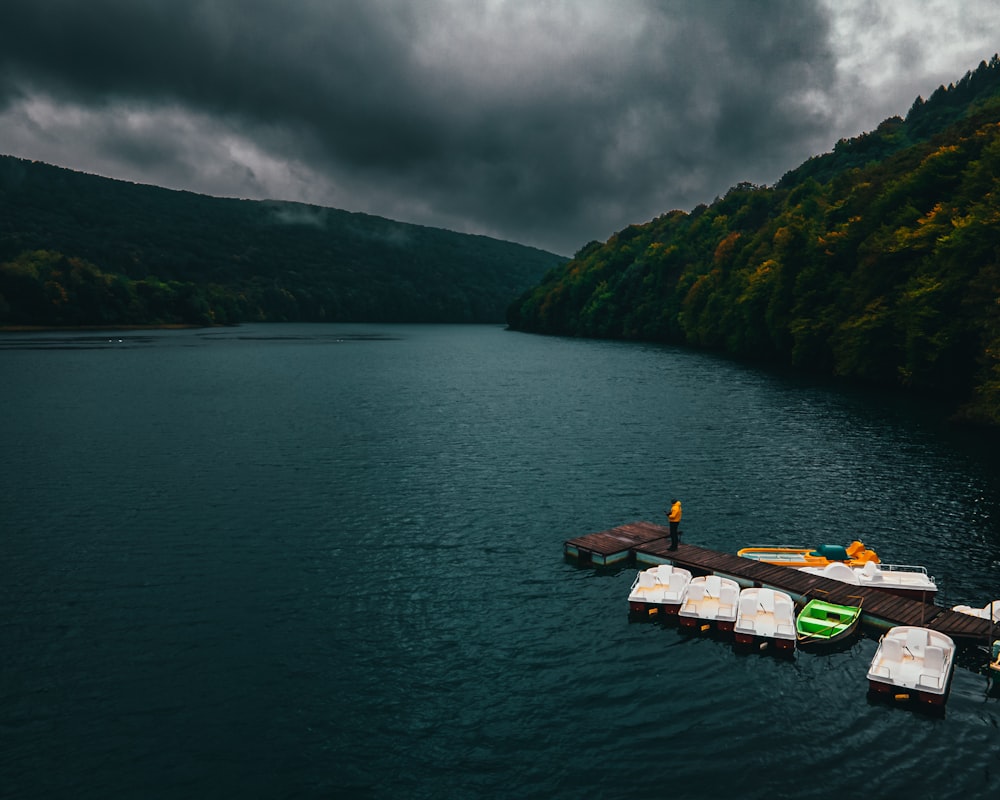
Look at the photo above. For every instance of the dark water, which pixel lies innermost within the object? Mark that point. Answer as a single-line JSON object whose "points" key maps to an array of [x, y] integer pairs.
{"points": [[326, 561]]}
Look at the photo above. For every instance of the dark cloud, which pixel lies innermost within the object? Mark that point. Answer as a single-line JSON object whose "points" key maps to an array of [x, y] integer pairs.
{"points": [[549, 123]]}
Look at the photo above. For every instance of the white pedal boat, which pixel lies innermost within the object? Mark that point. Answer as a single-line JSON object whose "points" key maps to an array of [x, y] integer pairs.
{"points": [[658, 590], [913, 663], [765, 617], [710, 601]]}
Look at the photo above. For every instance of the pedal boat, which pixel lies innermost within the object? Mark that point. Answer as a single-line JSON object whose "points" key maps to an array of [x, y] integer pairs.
{"points": [[913, 663], [854, 555], [902, 580], [822, 625], [710, 601], [658, 590], [766, 618]]}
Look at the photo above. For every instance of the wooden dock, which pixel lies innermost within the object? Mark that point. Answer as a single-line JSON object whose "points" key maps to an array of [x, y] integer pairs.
{"points": [[644, 544]]}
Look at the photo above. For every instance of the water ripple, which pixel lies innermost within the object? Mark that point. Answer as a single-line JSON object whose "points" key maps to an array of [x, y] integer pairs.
{"points": [[307, 561]]}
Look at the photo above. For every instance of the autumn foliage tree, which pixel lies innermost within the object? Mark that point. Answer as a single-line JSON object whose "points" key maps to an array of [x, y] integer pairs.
{"points": [[878, 262]]}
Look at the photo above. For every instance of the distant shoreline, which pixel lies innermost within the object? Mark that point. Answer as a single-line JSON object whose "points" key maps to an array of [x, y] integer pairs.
{"points": [[70, 328]]}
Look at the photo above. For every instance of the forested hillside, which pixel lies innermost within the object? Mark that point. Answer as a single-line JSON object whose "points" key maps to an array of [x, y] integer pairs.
{"points": [[878, 262], [77, 249]]}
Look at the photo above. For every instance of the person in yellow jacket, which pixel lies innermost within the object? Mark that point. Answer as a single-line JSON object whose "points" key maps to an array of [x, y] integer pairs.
{"points": [[674, 518]]}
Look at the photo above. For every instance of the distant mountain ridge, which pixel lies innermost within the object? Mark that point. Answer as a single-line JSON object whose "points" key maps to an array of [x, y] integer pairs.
{"points": [[78, 249], [877, 263]]}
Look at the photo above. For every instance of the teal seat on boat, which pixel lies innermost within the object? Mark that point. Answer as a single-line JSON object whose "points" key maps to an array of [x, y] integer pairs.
{"points": [[831, 552]]}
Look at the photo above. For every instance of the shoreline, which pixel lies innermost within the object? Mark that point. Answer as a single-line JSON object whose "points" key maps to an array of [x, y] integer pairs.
{"points": [[110, 327]]}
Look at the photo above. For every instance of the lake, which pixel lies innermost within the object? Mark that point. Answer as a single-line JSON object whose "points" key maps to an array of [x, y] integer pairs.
{"points": [[297, 561]]}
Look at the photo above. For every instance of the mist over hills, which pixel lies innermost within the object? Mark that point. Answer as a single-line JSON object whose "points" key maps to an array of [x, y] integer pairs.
{"points": [[79, 249]]}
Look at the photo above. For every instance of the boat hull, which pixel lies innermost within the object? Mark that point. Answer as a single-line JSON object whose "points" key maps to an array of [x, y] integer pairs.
{"points": [[751, 641], [641, 609], [842, 639], [923, 595], [890, 691], [699, 623]]}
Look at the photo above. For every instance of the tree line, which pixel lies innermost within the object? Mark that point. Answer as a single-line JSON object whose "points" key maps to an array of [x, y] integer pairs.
{"points": [[78, 249], [878, 262]]}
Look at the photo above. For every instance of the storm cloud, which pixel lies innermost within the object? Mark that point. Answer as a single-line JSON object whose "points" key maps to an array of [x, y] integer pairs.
{"points": [[547, 123]]}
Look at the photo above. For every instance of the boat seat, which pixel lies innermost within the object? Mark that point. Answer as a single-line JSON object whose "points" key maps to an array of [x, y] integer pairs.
{"points": [[934, 658], [831, 552], [713, 584], [677, 581], [647, 580], [892, 651], [746, 611], [828, 625], [932, 674], [871, 571], [838, 571], [663, 573], [728, 595], [784, 620], [766, 598], [916, 641], [696, 592]]}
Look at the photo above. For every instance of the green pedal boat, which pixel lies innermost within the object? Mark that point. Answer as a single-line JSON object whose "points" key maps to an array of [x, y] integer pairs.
{"points": [[821, 624]]}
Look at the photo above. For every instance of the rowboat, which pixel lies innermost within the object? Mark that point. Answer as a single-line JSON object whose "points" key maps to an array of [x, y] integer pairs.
{"points": [[710, 601], [990, 611], [913, 663], [765, 617], [821, 624], [854, 555], [903, 580], [659, 589]]}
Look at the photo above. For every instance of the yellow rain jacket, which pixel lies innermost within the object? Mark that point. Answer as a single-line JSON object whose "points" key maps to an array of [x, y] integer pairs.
{"points": [[675, 512]]}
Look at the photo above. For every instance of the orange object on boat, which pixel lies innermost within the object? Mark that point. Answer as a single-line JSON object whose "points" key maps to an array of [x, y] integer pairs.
{"points": [[854, 555]]}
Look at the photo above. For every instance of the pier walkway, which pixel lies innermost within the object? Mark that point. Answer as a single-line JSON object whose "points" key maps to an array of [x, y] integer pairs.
{"points": [[643, 544]]}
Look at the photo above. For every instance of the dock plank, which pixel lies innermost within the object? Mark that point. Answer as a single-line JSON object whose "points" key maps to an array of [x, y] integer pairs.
{"points": [[613, 546]]}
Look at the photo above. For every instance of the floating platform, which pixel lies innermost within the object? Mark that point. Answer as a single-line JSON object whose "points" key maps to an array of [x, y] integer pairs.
{"points": [[645, 544], [614, 547]]}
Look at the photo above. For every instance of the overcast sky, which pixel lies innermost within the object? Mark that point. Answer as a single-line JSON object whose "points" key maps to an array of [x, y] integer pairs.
{"points": [[545, 122]]}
